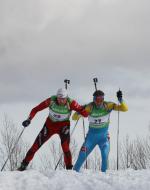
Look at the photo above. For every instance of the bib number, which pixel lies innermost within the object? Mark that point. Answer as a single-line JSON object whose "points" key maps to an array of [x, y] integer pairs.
{"points": [[99, 120], [58, 117]]}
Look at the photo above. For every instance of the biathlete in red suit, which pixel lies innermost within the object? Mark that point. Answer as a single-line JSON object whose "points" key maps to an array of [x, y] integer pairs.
{"points": [[60, 107]]}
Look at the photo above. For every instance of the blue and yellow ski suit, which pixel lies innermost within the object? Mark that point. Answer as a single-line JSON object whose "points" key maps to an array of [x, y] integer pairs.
{"points": [[99, 118]]}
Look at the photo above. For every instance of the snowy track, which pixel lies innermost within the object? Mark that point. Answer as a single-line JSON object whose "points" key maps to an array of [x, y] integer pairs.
{"points": [[70, 180]]}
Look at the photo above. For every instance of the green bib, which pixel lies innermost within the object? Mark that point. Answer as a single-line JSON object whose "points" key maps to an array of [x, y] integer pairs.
{"points": [[59, 112], [99, 117]]}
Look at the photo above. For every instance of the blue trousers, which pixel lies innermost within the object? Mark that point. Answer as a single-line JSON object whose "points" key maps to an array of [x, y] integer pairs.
{"points": [[93, 139]]}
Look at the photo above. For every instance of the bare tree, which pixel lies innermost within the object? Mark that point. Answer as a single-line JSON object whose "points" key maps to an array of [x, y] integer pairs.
{"points": [[126, 150], [135, 154], [9, 133]]}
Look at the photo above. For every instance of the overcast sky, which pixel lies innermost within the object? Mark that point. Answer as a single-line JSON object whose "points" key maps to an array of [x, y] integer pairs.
{"points": [[42, 42]]}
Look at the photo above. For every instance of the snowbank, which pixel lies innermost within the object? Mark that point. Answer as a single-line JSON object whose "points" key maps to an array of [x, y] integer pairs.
{"points": [[70, 180]]}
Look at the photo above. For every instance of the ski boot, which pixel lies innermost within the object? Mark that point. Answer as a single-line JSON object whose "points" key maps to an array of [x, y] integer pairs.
{"points": [[69, 167], [23, 166]]}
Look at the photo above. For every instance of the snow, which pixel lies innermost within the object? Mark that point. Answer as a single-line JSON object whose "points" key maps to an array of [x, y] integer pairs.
{"points": [[71, 180]]}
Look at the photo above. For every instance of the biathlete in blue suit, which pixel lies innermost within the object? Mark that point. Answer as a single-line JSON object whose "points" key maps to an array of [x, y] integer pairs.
{"points": [[99, 118]]}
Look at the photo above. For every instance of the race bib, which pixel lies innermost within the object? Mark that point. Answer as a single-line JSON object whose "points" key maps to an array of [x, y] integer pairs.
{"points": [[58, 116], [99, 120]]}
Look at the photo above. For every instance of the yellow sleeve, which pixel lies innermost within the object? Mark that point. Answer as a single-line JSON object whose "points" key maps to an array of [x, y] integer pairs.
{"points": [[77, 116], [121, 107]]}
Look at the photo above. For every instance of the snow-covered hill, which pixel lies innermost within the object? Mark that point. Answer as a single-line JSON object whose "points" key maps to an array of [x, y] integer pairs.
{"points": [[70, 180]]}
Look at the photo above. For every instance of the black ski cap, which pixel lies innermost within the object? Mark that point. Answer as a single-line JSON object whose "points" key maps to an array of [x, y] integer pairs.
{"points": [[98, 93]]}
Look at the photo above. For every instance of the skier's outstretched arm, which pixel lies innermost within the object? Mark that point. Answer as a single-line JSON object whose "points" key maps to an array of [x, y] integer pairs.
{"points": [[39, 107], [36, 109], [118, 107]]}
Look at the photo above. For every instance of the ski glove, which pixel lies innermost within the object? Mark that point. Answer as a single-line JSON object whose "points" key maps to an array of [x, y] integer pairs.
{"points": [[119, 95], [26, 123]]}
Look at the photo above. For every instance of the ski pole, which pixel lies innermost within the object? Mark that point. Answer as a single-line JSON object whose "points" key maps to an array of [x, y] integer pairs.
{"points": [[70, 136], [84, 140], [95, 81], [66, 81], [12, 149], [118, 137]]}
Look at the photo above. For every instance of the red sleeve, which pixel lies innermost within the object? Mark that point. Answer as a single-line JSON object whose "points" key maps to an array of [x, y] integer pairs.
{"points": [[80, 109], [40, 107]]}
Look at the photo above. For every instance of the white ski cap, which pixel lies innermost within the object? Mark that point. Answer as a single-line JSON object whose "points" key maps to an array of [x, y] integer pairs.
{"points": [[62, 93]]}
